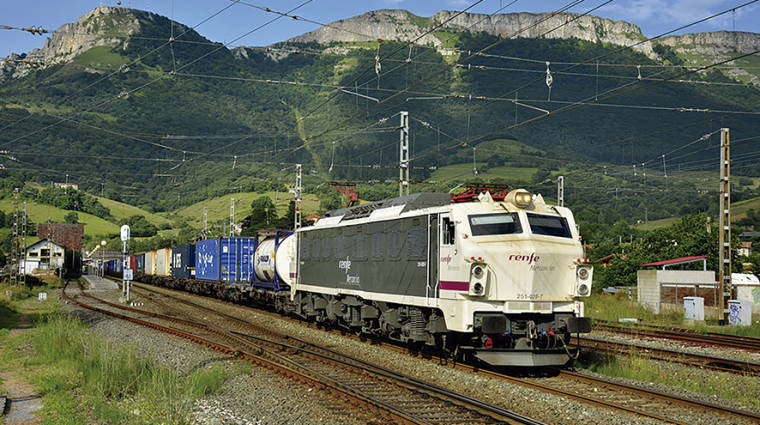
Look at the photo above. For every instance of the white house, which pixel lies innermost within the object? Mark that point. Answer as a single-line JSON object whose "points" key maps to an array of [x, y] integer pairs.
{"points": [[44, 255]]}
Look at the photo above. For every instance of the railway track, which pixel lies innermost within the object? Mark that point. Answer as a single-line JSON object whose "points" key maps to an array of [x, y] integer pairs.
{"points": [[640, 401], [402, 399], [718, 364], [683, 335]]}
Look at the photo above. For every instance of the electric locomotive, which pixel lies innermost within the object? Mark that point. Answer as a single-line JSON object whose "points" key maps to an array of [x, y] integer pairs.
{"points": [[499, 277]]}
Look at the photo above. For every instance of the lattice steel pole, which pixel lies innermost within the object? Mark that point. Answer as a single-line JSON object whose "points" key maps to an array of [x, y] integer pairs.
{"points": [[205, 222], [403, 172], [561, 191], [232, 217], [724, 240], [23, 246], [14, 241], [297, 215]]}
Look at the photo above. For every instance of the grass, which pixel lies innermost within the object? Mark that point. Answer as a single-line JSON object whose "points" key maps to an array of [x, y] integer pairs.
{"points": [[120, 210], [464, 172], [613, 307], [100, 55], [84, 378], [41, 213], [742, 389], [739, 209], [219, 208]]}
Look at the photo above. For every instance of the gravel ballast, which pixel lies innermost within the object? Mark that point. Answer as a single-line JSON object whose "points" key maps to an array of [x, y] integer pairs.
{"points": [[262, 397]]}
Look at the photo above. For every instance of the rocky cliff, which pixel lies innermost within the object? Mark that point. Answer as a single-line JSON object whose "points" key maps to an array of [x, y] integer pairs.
{"points": [[403, 26], [103, 26]]}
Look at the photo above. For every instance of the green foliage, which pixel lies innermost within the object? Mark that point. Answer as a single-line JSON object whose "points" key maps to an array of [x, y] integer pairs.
{"points": [[263, 213], [686, 237], [74, 200], [71, 218], [76, 366], [278, 118], [139, 226], [742, 389], [667, 54]]}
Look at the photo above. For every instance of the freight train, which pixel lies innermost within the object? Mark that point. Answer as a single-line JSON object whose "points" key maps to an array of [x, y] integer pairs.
{"points": [[490, 275]]}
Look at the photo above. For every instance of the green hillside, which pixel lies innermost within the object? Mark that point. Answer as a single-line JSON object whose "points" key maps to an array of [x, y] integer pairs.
{"points": [[235, 123], [120, 210], [39, 213], [219, 208]]}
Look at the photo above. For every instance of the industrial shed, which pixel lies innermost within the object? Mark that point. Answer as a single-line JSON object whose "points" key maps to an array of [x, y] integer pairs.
{"points": [[667, 288]]}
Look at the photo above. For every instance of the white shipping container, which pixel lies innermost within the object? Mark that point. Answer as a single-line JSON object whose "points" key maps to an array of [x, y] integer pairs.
{"points": [[162, 261]]}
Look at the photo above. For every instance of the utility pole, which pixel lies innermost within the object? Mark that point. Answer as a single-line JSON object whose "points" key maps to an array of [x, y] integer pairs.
{"points": [[297, 215], [14, 241], [23, 247], [127, 273], [561, 191], [205, 222], [403, 172], [724, 240], [474, 167], [232, 217]]}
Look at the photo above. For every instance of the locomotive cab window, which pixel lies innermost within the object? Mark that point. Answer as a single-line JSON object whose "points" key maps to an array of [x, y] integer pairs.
{"points": [[549, 225], [448, 231], [495, 224]]}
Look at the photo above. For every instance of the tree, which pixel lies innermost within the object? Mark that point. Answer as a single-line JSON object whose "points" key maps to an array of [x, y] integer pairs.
{"points": [[263, 213], [140, 226], [71, 218]]}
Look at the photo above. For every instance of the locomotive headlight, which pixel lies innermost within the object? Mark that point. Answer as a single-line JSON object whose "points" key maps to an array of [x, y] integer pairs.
{"points": [[477, 271], [583, 289], [523, 198], [583, 273], [478, 280]]}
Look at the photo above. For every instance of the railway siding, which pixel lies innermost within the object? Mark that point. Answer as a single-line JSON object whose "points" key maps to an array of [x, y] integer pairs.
{"points": [[482, 382]]}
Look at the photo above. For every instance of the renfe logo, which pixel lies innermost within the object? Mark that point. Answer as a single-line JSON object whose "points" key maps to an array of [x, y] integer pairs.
{"points": [[532, 258], [446, 259]]}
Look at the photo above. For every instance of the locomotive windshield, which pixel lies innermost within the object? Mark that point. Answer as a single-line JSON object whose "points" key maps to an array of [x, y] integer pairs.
{"points": [[494, 224], [549, 225]]}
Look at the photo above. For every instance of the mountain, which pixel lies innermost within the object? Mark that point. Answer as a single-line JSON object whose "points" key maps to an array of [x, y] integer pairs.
{"points": [[163, 125], [401, 25]]}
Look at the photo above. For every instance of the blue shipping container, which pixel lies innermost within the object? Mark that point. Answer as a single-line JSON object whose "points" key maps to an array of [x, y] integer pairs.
{"points": [[207, 259], [183, 261], [236, 259]]}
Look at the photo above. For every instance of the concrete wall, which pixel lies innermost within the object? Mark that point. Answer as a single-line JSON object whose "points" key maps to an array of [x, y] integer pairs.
{"points": [[655, 287]]}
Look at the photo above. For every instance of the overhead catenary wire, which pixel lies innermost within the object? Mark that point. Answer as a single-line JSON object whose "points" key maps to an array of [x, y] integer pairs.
{"points": [[162, 76], [132, 63], [324, 132], [645, 40]]}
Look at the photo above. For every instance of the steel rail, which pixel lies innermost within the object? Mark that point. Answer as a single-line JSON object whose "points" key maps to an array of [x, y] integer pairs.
{"points": [[498, 414], [258, 360], [686, 335], [523, 382], [718, 364]]}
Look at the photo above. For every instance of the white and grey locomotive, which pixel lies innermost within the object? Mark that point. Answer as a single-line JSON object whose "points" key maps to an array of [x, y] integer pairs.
{"points": [[501, 280]]}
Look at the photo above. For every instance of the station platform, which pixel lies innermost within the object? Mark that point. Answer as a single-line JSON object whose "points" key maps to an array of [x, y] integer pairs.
{"points": [[98, 283]]}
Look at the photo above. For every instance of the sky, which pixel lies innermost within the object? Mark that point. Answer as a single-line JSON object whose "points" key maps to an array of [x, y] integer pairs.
{"points": [[653, 16]]}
